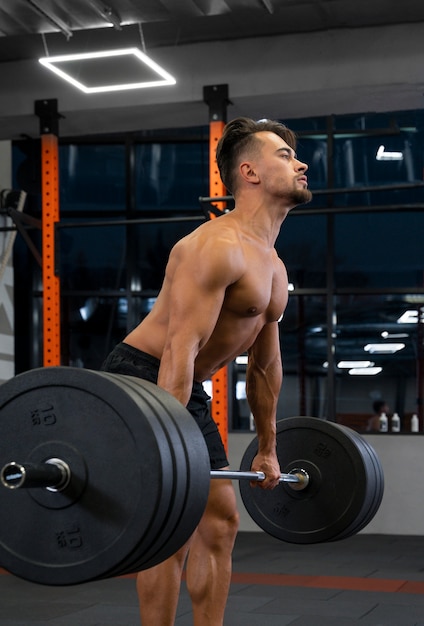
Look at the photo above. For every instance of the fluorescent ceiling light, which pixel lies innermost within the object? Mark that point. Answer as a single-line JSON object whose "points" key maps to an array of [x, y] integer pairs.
{"points": [[350, 364], [383, 348], [409, 317], [365, 371], [242, 360], [91, 72], [386, 335], [382, 155]]}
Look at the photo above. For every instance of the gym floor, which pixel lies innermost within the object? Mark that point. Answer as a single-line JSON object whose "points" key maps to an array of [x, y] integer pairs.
{"points": [[370, 580]]}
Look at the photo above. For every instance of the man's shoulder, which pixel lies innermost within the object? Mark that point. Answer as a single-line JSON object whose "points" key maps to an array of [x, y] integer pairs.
{"points": [[215, 232]]}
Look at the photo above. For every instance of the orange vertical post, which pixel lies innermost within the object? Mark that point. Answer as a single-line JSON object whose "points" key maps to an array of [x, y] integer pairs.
{"points": [[216, 186], [216, 97], [47, 111]]}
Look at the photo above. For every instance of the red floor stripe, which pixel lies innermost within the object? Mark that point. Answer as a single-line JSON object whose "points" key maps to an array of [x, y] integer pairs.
{"points": [[331, 582], [386, 585]]}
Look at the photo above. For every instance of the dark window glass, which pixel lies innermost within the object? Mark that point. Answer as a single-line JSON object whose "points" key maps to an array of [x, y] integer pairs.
{"points": [[93, 257], [313, 152], [309, 125], [96, 323], [92, 177], [152, 245], [376, 350], [379, 250], [392, 120], [171, 175], [302, 245], [379, 161], [303, 337]]}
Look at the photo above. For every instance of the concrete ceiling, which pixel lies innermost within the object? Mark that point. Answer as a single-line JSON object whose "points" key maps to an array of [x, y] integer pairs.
{"points": [[178, 22], [242, 43]]}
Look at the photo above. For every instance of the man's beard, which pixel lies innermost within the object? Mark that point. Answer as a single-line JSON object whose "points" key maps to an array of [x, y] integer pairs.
{"points": [[301, 196]]}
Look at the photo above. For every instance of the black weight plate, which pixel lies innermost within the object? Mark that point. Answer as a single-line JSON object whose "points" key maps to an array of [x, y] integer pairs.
{"points": [[374, 486], [103, 522], [148, 540], [379, 482], [369, 487], [334, 498], [192, 462], [165, 529], [165, 509]]}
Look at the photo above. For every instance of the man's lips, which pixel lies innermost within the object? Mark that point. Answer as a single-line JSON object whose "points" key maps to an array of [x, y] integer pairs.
{"points": [[303, 179]]}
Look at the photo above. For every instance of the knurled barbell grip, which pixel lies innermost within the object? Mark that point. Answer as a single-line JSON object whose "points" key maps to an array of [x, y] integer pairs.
{"points": [[53, 474], [298, 478]]}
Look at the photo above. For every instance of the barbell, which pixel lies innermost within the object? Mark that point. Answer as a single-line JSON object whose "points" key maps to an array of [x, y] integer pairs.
{"points": [[108, 474], [55, 475]]}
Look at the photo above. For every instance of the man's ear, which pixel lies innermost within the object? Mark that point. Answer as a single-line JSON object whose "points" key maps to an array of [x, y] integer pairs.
{"points": [[248, 173]]}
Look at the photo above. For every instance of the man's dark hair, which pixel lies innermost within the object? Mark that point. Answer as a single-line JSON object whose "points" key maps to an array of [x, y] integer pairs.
{"points": [[240, 134]]}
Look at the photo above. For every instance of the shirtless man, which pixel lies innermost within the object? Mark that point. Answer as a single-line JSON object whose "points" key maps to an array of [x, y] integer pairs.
{"points": [[224, 291]]}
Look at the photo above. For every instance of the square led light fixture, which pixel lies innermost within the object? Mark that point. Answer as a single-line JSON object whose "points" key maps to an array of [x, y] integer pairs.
{"points": [[93, 72]]}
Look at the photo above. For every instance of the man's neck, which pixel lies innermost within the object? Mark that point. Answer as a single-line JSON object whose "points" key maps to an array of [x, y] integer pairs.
{"points": [[262, 221]]}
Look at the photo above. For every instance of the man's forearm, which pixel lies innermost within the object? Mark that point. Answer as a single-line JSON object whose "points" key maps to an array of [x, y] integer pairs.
{"points": [[262, 390]]}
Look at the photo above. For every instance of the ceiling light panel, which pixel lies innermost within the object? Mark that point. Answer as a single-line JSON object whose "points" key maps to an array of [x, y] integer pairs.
{"points": [[109, 70], [409, 317], [383, 348], [365, 371], [351, 364]]}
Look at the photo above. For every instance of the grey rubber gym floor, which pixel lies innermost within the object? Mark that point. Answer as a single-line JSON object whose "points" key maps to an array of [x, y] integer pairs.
{"points": [[370, 580]]}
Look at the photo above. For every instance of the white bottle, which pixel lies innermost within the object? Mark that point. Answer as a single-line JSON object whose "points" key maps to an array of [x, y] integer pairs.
{"points": [[383, 423], [395, 423], [414, 423]]}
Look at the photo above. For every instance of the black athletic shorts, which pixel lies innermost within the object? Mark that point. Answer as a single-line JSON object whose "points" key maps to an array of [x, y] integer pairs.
{"points": [[125, 359]]}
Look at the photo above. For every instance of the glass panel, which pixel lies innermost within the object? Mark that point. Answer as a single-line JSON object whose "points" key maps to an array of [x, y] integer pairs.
{"points": [[92, 257], [310, 124], [379, 250], [302, 245], [152, 245], [171, 175], [378, 161], [377, 121], [368, 336], [92, 177], [96, 324], [313, 152], [303, 337]]}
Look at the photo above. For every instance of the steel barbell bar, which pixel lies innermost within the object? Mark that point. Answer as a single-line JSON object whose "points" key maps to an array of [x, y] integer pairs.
{"points": [[297, 478], [55, 474]]}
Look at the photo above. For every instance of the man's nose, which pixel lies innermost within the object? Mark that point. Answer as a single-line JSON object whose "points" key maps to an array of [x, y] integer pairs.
{"points": [[301, 166]]}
